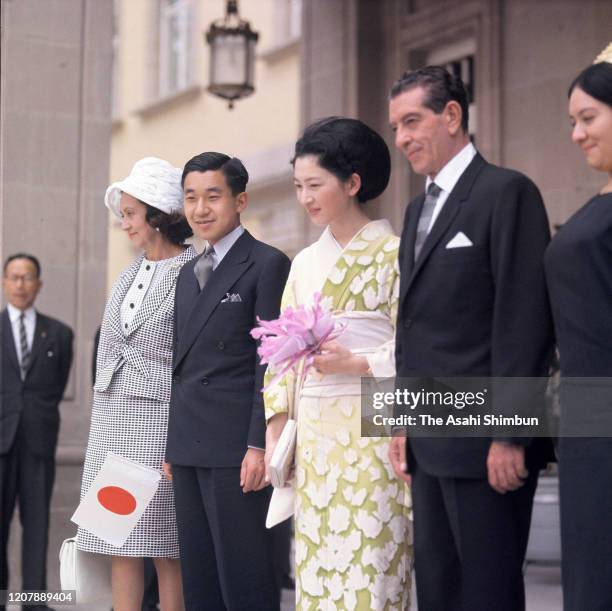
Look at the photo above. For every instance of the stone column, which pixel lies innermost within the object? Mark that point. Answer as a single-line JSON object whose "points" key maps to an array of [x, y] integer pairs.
{"points": [[55, 143], [345, 72]]}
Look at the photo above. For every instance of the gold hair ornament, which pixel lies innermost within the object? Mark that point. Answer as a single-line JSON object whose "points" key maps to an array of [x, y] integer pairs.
{"points": [[605, 55]]}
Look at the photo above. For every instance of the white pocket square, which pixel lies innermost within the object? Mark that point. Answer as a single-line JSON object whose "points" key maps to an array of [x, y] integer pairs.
{"points": [[231, 297], [460, 241]]}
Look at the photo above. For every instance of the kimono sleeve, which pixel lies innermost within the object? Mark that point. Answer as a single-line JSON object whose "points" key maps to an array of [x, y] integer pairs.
{"points": [[279, 398], [382, 361]]}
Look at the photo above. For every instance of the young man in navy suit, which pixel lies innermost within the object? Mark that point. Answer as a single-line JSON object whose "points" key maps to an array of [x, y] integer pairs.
{"points": [[36, 359], [216, 430], [472, 304]]}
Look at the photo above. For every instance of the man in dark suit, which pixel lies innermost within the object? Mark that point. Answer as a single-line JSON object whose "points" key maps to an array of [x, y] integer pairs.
{"points": [[472, 304], [36, 359], [216, 430]]}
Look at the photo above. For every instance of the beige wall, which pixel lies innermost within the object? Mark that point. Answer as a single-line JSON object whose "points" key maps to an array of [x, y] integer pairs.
{"points": [[260, 129], [545, 45]]}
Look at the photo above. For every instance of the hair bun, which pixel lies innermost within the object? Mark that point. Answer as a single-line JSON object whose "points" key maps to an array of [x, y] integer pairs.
{"points": [[346, 146]]}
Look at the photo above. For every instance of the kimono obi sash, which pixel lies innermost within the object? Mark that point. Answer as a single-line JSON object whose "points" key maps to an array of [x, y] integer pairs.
{"points": [[365, 333]]}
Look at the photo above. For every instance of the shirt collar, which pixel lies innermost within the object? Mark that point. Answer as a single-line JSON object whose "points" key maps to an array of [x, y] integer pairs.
{"points": [[222, 247], [448, 176], [15, 313]]}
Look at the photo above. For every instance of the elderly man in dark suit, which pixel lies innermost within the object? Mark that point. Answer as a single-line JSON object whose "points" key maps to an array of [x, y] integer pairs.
{"points": [[36, 359], [216, 431], [472, 304]]}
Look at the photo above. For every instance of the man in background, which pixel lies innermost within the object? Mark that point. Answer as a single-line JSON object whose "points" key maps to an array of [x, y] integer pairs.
{"points": [[36, 359]]}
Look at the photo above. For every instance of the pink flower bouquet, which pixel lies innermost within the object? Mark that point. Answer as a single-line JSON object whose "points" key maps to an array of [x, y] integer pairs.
{"points": [[295, 337]]}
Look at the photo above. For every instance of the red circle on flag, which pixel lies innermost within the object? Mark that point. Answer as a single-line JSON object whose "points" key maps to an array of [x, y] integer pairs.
{"points": [[118, 500]]}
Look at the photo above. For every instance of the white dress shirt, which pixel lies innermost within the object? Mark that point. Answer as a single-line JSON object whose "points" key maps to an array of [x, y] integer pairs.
{"points": [[29, 321], [448, 177], [222, 247]]}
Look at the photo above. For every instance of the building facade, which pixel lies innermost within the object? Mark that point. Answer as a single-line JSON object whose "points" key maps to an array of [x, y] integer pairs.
{"points": [[161, 106], [64, 137], [517, 57]]}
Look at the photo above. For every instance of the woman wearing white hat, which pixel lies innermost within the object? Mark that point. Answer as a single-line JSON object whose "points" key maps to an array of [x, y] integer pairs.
{"points": [[133, 375]]}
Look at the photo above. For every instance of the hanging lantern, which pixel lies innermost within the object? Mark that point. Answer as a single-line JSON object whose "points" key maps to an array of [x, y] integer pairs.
{"points": [[232, 56]]}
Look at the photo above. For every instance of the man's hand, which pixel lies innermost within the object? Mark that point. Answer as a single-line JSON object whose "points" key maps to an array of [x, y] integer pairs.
{"points": [[167, 467], [506, 466], [253, 471], [397, 456]]}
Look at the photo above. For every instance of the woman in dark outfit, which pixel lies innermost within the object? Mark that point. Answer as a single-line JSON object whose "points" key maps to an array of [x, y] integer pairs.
{"points": [[579, 274]]}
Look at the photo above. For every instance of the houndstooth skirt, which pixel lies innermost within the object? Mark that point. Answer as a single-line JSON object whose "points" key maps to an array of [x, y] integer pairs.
{"points": [[135, 428]]}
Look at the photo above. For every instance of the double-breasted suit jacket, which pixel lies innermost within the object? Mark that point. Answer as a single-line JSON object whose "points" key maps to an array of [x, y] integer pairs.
{"points": [[480, 310], [217, 410], [216, 414], [34, 401]]}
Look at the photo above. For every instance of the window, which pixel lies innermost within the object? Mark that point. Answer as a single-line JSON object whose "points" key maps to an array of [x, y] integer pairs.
{"points": [[295, 18], [174, 45], [288, 21], [116, 84], [458, 59]]}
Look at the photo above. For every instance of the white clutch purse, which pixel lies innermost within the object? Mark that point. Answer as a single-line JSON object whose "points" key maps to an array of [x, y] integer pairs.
{"points": [[283, 456], [86, 573]]}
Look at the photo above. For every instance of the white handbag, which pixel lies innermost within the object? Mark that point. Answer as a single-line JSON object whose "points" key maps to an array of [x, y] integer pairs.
{"points": [[282, 503], [87, 573], [283, 456], [282, 506]]}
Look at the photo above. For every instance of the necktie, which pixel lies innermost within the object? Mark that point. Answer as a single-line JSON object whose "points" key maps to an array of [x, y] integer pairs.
{"points": [[431, 198], [23, 343], [204, 267]]}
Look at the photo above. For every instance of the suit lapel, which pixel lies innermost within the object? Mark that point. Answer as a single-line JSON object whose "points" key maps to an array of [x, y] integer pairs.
{"points": [[227, 273], [448, 213], [410, 230], [445, 218], [41, 333], [189, 295], [124, 282], [154, 298], [9, 341]]}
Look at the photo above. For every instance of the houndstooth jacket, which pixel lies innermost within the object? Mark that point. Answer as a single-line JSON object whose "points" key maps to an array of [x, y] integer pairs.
{"points": [[140, 361]]}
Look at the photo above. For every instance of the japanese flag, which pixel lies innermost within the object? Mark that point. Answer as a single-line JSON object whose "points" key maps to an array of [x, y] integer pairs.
{"points": [[116, 499]]}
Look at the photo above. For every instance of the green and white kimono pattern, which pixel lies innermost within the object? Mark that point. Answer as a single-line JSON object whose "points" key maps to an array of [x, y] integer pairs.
{"points": [[352, 515]]}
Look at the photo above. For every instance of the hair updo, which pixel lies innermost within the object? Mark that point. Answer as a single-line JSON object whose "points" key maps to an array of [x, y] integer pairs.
{"points": [[173, 226], [596, 81], [348, 146]]}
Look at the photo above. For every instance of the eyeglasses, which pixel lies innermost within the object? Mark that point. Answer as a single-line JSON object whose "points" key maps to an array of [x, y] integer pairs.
{"points": [[26, 279]]}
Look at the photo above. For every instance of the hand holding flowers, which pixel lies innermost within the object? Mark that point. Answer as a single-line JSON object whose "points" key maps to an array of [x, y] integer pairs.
{"points": [[334, 358], [296, 337]]}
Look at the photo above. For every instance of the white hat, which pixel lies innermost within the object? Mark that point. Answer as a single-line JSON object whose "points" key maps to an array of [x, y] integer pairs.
{"points": [[152, 181]]}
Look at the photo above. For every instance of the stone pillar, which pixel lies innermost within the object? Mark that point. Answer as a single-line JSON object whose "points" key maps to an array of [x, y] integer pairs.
{"points": [[55, 114], [344, 72], [56, 58]]}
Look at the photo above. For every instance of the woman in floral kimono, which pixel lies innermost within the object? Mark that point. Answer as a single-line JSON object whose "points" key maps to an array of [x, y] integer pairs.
{"points": [[351, 514]]}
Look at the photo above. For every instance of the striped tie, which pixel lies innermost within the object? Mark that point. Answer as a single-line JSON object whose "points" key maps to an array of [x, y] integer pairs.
{"points": [[431, 198], [23, 342]]}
